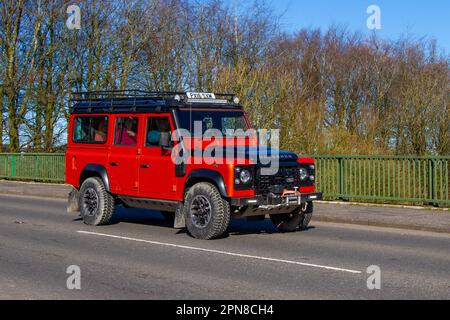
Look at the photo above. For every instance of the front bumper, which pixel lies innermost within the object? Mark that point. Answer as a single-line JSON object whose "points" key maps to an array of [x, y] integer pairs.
{"points": [[277, 200]]}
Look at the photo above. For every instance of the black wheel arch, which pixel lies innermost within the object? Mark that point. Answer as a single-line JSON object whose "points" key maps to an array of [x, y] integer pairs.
{"points": [[206, 175], [95, 170]]}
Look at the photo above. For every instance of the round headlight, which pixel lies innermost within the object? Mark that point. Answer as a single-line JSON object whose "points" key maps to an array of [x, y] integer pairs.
{"points": [[245, 176], [303, 174]]}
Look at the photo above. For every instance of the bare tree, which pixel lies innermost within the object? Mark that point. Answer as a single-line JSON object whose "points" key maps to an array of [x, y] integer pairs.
{"points": [[329, 91]]}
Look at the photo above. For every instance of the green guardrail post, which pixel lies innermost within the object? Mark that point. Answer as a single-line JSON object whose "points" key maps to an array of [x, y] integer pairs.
{"points": [[13, 166], [432, 182], [435, 184], [341, 178]]}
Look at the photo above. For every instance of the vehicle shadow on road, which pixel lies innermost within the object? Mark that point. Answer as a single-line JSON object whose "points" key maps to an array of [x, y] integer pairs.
{"points": [[139, 216], [136, 216], [240, 227], [237, 227], [154, 218], [245, 227]]}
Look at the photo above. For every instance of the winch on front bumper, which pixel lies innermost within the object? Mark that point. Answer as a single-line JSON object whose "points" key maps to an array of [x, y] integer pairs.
{"points": [[277, 200], [273, 204]]}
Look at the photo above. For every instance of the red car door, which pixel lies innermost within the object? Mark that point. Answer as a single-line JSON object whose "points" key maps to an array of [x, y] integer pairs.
{"points": [[156, 170], [123, 160]]}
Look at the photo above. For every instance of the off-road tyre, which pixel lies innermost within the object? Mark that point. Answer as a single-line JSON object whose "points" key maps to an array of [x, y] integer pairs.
{"points": [[207, 213], [286, 222], [306, 216], [96, 204], [298, 219]]}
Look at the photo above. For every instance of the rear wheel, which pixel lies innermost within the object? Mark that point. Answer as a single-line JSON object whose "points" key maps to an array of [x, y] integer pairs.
{"points": [[207, 213], [96, 204]]}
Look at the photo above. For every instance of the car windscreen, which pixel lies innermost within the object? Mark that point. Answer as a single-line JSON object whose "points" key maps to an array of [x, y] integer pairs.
{"points": [[226, 122]]}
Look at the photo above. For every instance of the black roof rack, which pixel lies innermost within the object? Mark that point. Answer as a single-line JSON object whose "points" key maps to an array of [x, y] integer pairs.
{"points": [[143, 101]]}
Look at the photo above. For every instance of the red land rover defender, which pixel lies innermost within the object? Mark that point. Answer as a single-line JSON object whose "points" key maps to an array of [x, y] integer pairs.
{"points": [[121, 148]]}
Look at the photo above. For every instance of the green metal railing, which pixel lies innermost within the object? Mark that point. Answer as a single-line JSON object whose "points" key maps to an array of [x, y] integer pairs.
{"points": [[366, 178], [32, 166], [384, 178]]}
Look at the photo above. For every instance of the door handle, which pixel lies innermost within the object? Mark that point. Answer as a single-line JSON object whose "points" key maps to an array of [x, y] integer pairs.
{"points": [[114, 164], [145, 166]]}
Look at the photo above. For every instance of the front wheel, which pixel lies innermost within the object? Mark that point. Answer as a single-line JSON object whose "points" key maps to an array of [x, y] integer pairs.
{"points": [[306, 212], [96, 204], [297, 219], [207, 213], [286, 222]]}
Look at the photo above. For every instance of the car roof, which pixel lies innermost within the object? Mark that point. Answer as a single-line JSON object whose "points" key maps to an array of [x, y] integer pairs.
{"points": [[137, 101]]}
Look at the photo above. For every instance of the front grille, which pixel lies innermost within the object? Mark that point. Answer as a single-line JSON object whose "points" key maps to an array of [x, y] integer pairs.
{"points": [[285, 178]]}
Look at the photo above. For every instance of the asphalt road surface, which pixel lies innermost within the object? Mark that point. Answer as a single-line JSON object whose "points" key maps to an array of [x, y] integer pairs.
{"points": [[139, 256]]}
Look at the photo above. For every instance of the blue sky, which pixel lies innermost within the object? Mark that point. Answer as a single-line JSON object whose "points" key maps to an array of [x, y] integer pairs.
{"points": [[413, 18]]}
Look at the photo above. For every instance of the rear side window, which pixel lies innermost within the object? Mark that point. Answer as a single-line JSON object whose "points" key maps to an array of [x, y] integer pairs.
{"points": [[90, 130], [126, 131]]}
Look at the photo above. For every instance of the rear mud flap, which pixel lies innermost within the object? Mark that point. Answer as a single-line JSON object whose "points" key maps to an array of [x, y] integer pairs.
{"points": [[180, 218], [73, 204]]}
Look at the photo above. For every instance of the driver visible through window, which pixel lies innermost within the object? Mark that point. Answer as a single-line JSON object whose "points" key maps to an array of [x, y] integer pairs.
{"points": [[156, 126]]}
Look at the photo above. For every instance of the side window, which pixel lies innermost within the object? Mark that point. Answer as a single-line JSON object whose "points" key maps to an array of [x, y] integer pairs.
{"points": [[126, 131], [90, 130], [156, 126]]}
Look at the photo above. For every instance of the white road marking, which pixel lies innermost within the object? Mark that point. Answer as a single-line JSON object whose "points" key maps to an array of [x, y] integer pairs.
{"points": [[221, 252]]}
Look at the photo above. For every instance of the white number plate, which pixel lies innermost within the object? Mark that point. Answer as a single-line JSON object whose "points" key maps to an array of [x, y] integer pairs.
{"points": [[200, 95]]}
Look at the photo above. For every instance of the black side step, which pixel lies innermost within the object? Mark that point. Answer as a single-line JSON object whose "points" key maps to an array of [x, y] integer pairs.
{"points": [[152, 204]]}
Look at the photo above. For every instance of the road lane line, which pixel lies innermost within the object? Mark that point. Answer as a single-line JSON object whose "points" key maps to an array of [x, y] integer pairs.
{"points": [[221, 252]]}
